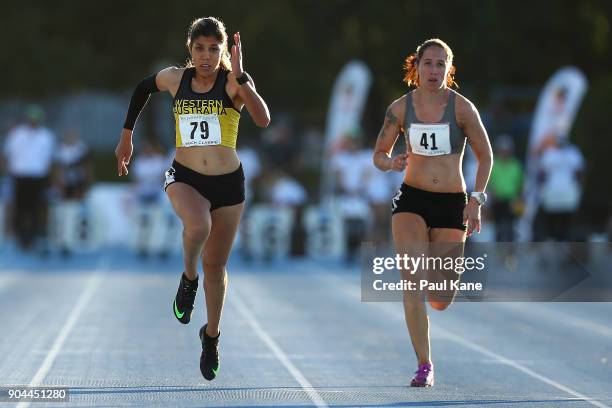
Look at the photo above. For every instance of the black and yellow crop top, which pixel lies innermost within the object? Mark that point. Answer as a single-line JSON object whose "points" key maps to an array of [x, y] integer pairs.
{"points": [[205, 119]]}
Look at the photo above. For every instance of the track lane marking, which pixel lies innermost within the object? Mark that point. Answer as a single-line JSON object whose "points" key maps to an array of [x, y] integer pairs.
{"points": [[86, 295], [276, 350], [355, 292]]}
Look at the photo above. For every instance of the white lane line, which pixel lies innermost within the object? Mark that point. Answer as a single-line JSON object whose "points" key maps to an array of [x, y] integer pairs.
{"points": [[278, 352], [558, 317], [86, 295], [514, 364], [355, 292]]}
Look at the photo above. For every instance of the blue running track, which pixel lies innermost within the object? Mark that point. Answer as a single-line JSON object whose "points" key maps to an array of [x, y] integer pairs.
{"points": [[294, 334]]}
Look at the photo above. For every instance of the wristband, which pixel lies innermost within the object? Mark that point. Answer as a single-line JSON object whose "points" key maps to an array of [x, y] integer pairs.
{"points": [[243, 79], [480, 197]]}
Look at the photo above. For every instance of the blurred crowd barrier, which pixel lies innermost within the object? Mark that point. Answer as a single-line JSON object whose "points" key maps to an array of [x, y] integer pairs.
{"points": [[111, 216]]}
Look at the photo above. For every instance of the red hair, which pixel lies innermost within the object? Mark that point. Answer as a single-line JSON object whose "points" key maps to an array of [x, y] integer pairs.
{"points": [[410, 64]]}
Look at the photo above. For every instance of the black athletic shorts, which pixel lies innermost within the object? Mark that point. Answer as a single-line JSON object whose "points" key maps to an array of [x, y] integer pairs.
{"points": [[221, 191], [439, 210]]}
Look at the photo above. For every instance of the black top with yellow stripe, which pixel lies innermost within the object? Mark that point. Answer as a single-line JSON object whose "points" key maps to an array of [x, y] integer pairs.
{"points": [[205, 119]]}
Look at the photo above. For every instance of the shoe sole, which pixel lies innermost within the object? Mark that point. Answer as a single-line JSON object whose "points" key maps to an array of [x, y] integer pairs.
{"points": [[417, 385]]}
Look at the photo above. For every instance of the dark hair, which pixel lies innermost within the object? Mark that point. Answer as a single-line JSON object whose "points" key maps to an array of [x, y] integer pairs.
{"points": [[410, 65], [209, 27]]}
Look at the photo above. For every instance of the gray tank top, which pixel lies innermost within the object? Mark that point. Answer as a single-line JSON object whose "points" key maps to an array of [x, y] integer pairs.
{"points": [[456, 135]]}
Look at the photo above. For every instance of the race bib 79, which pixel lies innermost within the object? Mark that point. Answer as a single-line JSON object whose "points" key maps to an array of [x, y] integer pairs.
{"points": [[199, 130]]}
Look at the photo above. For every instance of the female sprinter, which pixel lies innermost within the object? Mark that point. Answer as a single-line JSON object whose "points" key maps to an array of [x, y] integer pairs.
{"points": [[431, 205], [205, 183]]}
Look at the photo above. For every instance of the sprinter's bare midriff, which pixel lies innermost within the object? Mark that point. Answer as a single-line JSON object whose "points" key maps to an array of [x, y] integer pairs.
{"points": [[208, 160], [437, 174]]}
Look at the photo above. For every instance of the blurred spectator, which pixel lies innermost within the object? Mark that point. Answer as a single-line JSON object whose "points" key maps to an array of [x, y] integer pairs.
{"points": [[73, 173], [351, 166], [560, 176], [148, 171], [28, 153], [288, 192], [72, 176], [505, 186], [379, 190], [6, 191], [282, 218], [280, 146], [251, 166]]}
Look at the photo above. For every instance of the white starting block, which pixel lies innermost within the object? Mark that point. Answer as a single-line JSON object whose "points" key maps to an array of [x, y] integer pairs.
{"points": [[269, 232]]}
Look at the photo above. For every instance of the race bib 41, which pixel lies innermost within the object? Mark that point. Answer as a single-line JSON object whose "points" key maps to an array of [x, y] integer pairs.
{"points": [[429, 139]]}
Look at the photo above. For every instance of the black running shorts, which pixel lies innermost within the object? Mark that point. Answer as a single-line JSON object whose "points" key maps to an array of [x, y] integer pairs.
{"points": [[439, 210], [221, 191]]}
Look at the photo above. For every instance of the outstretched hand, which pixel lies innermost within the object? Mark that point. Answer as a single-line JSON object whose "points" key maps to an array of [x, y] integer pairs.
{"points": [[237, 56], [123, 153], [471, 217]]}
